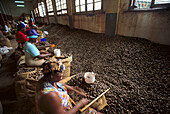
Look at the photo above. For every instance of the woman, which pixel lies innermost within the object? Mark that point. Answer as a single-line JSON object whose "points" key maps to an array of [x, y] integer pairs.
{"points": [[33, 57], [21, 37], [9, 26], [52, 97]]}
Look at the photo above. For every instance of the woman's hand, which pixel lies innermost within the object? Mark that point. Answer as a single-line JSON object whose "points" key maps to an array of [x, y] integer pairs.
{"points": [[76, 90], [49, 54], [80, 91], [82, 94], [83, 102]]}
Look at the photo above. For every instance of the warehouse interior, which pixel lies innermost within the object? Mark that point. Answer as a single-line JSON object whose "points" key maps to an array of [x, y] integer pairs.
{"points": [[125, 42]]}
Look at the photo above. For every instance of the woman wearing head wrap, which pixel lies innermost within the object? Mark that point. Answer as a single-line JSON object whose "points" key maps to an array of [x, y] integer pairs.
{"points": [[33, 57], [52, 96], [9, 26], [20, 36]]}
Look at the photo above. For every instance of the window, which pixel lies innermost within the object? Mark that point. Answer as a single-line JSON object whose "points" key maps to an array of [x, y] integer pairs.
{"points": [[162, 1], [143, 4], [146, 4], [87, 6], [36, 12], [41, 8], [50, 7], [61, 6]]}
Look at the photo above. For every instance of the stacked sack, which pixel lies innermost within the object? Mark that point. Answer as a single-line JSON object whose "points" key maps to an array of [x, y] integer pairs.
{"points": [[25, 82], [4, 41]]}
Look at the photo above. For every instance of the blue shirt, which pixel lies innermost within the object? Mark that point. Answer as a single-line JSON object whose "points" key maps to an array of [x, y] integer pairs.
{"points": [[32, 49]]}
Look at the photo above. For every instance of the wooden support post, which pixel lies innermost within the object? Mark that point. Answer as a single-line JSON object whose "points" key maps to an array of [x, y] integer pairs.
{"points": [[152, 3], [47, 16], [102, 7], [86, 5], [54, 10], [2, 21], [8, 17], [5, 18]]}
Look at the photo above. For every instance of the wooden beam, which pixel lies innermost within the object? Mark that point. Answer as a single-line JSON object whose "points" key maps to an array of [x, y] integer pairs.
{"points": [[2, 21]]}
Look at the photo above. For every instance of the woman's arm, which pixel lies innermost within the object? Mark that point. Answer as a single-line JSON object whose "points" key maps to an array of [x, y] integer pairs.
{"points": [[41, 56], [51, 104], [69, 88], [44, 52]]}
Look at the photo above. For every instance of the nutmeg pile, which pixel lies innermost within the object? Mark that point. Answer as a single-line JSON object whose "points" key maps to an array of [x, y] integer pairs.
{"points": [[25, 70], [137, 70], [92, 90]]}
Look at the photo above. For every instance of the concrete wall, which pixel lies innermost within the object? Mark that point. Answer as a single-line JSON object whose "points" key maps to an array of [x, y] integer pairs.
{"points": [[116, 19], [153, 25], [17, 11], [46, 20], [94, 23], [52, 20], [64, 20]]}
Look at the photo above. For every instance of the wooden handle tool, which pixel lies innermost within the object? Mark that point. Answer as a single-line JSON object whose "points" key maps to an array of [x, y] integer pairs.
{"points": [[81, 110]]}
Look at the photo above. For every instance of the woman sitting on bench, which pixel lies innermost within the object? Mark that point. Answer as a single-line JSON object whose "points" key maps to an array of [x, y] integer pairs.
{"points": [[33, 57]]}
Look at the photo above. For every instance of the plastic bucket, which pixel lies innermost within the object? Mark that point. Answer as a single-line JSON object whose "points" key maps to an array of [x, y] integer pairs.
{"points": [[89, 77], [57, 52]]}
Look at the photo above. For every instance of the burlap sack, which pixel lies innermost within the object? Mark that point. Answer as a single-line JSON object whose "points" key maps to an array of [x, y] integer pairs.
{"points": [[11, 36], [100, 103], [66, 72], [18, 54], [67, 63], [21, 76], [1, 35], [20, 89], [5, 42], [0, 58], [25, 86]]}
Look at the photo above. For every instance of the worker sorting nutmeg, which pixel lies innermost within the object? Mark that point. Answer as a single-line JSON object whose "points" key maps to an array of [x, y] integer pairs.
{"points": [[53, 93]]}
